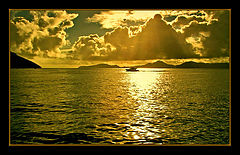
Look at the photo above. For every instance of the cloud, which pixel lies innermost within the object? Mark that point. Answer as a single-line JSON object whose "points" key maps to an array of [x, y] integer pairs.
{"points": [[155, 39], [184, 19], [43, 36], [210, 40], [89, 47], [114, 19], [190, 34], [159, 40], [132, 35], [217, 44]]}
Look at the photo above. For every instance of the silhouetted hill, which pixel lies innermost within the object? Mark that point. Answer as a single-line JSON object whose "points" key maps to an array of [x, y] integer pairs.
{"points": [[100, 66], [189, 64], [192, 64], [19, 62], [161, 64], [157, 64]]}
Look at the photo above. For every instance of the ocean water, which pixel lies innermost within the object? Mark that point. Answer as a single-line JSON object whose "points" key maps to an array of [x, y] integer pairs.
{"points": [[112, 106]]}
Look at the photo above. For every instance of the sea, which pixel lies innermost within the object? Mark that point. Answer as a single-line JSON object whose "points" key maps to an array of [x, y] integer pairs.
{"points": [[113, 106]]}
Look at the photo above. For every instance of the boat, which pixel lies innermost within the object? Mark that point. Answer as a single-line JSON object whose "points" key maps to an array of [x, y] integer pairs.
{"points": [[132, 69]]}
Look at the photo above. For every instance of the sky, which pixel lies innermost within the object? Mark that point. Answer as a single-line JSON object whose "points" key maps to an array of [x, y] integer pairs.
{"points": [[73, 38]]}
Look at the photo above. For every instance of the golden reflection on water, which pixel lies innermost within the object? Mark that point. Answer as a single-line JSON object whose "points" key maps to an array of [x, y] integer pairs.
{"points": [[114, 106], [142, 83], [142, 88]]}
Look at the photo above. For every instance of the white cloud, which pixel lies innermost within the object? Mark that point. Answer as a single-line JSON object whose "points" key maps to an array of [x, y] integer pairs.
{"points": [[44, 35], [90, 46], [114, 19]]}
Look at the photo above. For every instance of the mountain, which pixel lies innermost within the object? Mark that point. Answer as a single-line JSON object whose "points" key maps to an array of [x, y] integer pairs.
{"points": [[192, 64], [20, 62], [157, 64], [100, 66]]}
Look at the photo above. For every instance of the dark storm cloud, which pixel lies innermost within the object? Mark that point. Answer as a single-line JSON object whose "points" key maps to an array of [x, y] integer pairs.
{"points": [[156, 39], [215, 36]]}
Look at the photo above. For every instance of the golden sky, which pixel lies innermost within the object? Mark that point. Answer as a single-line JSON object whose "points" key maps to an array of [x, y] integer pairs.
{"points": [[70, 38]]}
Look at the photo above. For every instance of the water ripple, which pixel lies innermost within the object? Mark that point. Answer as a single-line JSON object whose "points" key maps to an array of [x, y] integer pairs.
{"points": [[111, 106]]}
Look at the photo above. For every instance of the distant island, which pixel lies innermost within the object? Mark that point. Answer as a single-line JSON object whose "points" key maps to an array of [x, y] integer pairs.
{"points": [[20, 62], [100, 66], [161, 64], [192, 64], [157, 64]]}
